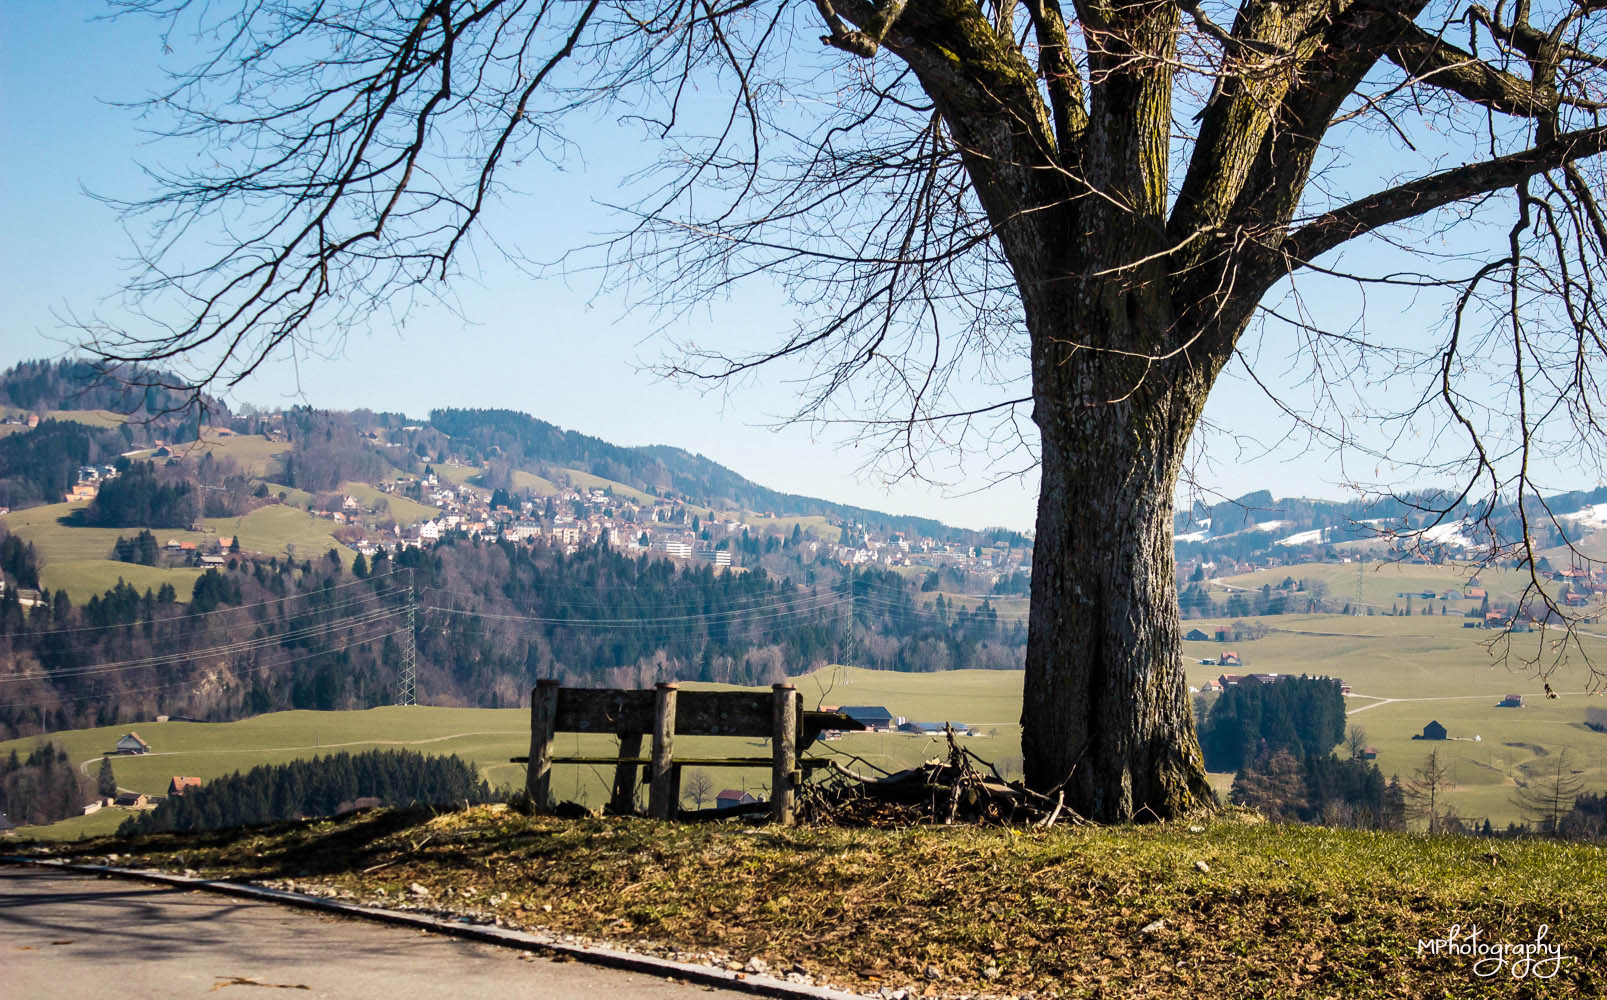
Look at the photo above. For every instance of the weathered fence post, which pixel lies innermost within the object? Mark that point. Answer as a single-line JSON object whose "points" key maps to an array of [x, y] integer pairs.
{"points": [[543, 716], [784, 742], [661, 797], [623, 801]]}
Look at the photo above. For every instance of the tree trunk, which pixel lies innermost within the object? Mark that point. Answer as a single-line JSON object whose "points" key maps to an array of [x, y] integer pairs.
{"points": [[1106, 713]]}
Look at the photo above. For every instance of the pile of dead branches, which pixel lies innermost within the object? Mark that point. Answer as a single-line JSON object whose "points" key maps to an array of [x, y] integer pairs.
{"points": [[945, 790]]}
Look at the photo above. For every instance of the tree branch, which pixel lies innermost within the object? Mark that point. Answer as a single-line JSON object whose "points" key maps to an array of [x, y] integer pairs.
{"points": [[1406, 201]]}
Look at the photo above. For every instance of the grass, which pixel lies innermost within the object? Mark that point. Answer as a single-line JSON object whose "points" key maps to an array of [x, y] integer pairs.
{"points": [[1436, 670], [77, 559], [1226, 909], [82, 579], [256, 455], [586, 481], [269, 530], [403, 511], [456, 474], [91, 418], [214, 749], [523, 480], [1382, 581]]}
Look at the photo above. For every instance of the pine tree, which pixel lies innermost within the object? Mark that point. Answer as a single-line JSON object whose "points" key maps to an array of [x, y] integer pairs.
{"points": [[106, 781]]}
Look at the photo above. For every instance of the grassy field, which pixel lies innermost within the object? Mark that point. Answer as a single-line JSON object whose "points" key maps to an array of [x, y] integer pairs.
{"points": [[1227, 909], [91, 418], [270, 529], [82, 579], [403, 511], [1404, 672], [490, 736], [1382, 581], [78, 560], [523, 480], [587, 481], [256, 455], [456, 474]]}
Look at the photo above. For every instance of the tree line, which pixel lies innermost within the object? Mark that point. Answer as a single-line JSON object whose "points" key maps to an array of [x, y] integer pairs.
{"points": [[491, 618], [322, 786], [43, 787]]}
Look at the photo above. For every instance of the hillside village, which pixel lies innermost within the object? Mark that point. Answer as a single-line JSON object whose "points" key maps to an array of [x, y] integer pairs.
{"points": [[686, 530]]}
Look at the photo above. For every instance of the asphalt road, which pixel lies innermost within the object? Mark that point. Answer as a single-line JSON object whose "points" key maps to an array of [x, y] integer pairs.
{"points": [[64, 936]]}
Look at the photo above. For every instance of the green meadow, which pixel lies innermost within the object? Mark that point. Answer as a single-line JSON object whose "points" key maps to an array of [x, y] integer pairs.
{"points": [[78, 559], [272, 529], [1404, 673], [256, 455], [403, 511]]}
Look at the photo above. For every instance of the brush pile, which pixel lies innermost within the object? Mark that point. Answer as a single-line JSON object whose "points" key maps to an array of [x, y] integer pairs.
{"points": [[950, 790]]}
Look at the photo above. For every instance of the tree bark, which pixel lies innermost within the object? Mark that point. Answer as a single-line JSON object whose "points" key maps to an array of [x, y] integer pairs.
{"points": [[1106, 714]]}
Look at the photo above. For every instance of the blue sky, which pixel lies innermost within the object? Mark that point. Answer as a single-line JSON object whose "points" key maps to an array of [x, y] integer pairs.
{"points": [[556, 349]]}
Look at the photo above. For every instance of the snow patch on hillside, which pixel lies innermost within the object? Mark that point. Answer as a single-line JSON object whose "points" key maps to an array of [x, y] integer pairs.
{"points": [[1312, 537], [1594, 516]]}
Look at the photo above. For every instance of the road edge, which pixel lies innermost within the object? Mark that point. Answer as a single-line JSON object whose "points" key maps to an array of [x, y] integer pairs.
{"points": [[701, 975]]}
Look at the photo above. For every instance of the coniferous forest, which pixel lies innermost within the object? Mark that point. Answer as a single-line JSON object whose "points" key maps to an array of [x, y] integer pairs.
{"points": [[488, 620], [42, 787], [322, 786]]}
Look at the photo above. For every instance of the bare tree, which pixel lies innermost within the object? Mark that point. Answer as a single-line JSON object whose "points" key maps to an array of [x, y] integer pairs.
{"points": [[1356, 742], [1425, 792], [698, 786], [1549, 793], [1034, 232]]}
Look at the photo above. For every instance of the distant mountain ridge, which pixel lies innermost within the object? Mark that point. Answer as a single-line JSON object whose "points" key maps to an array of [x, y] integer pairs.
{"points": [[1257, 523]]}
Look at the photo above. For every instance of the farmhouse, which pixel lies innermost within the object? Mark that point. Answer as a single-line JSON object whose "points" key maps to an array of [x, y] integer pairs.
{"points": [[1196, 635], [132, 744], [1370, 753], [131, 800], [874, 718], [1432, 731], [731, 798], [180, 784]]}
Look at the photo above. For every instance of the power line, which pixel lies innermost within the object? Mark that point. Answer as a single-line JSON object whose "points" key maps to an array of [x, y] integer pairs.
{"points": [[243, 646], [190, 616], [248, 671]]}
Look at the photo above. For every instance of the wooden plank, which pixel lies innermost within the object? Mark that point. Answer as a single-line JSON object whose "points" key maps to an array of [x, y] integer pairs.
{"points": [[538, 775], [623, 800], [786, 706], [660, 797], [604, 710], [723, 713], [697, 713], [803, 763]]}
